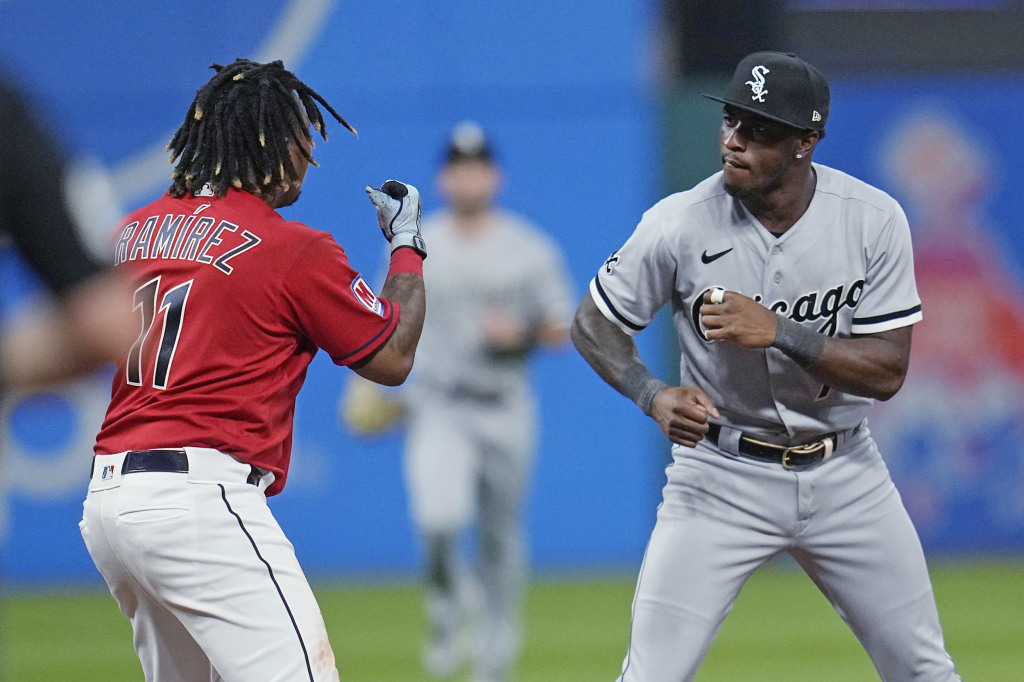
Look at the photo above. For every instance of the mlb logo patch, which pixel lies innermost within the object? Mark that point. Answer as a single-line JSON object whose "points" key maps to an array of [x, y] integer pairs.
{"points": [[107, 473], [364, 294]]}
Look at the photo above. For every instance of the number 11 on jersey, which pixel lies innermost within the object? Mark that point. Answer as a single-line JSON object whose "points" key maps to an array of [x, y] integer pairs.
{"points": [[173, 308]]}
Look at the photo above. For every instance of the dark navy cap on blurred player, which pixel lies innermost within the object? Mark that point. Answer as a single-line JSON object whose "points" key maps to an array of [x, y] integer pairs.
{"points": [[781, 87], [467, 142]]}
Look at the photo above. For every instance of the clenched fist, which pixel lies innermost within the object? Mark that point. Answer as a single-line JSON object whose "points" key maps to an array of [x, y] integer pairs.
{"points": [[398, 214]]}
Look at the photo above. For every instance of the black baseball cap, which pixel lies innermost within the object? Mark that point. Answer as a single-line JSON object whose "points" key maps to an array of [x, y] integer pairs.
{"points": [[467, 142], [781, 87]]}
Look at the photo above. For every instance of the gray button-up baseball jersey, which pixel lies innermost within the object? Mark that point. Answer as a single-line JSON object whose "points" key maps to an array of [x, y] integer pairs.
{"points": [[844, 268]]}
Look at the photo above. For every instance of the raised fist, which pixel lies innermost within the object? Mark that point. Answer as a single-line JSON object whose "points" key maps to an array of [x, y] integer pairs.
{"points": [[398, 214]]}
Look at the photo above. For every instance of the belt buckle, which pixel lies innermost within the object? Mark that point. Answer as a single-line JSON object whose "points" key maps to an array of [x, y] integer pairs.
{"points": [[826, 445]]}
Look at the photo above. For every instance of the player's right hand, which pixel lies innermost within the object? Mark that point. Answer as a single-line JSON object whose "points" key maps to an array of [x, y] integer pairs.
{"points": [[739, 319], [398, 214], [682, 413]]}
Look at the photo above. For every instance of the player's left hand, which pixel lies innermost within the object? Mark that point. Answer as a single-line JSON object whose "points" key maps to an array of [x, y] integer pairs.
{"points": [[739, 319], [398, 214]]}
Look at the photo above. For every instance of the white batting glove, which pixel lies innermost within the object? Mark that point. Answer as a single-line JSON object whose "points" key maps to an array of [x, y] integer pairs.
{"points": [[398, 214]]}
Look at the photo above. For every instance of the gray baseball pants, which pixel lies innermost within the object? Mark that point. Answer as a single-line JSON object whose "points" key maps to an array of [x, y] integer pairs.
{"points": [[724, 515]]}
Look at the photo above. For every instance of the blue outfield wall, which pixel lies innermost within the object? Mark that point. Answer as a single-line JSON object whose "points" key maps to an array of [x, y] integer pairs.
{"points": [[568, 96], [952, 436]]}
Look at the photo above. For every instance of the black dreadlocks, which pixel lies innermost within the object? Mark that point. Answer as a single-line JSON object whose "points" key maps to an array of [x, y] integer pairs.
{"points": [[237, 130]]}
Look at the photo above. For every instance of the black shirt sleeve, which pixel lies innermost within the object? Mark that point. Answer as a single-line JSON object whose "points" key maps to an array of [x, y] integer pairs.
{"points": [[33, 210]]}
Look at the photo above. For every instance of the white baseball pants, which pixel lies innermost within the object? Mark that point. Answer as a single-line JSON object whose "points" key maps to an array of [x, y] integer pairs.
{"points": [[723, 516], [469, 463], [200, 567]]}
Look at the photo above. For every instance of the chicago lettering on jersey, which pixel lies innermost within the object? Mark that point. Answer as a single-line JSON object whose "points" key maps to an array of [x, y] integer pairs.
{"points": [[809, 307], [179, 237], [816, 305]]}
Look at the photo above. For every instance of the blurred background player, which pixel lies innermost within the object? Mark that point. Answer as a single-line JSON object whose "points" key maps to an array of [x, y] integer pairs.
{"points": [[498, 290], [85, 321], [88, 322], [235, 303]]}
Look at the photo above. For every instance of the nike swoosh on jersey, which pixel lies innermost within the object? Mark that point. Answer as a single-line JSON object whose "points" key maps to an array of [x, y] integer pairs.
{"points": [[705, 258]]}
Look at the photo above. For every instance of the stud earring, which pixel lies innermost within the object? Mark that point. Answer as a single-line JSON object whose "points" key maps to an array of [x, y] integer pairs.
{"points": [[799, 156]]}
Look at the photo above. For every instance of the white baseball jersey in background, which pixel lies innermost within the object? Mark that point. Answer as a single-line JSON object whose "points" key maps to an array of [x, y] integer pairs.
{"points": [[512, 266]]}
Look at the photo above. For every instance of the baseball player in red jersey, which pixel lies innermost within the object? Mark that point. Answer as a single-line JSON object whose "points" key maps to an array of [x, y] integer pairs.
{"points": [[234, 302]]}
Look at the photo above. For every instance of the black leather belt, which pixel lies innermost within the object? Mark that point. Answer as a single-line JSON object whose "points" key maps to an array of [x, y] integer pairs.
{"points": [[169, 461], [794, 457]]}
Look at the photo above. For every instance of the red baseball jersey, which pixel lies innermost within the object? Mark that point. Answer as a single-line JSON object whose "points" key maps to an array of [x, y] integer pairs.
{"points": [[234, 302]]}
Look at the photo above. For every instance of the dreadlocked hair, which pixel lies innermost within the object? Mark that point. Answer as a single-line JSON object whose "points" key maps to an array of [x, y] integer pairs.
{"points": [[237, 130]]}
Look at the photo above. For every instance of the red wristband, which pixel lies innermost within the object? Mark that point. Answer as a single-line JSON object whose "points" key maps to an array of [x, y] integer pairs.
{"points": [[405, 259]]}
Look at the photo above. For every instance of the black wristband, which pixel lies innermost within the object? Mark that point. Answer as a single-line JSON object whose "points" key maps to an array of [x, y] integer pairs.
{"points": [[799, 343], [640, 386]]}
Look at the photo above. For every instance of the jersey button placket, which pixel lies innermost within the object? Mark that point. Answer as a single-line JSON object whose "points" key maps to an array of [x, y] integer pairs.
{"points": [[775, 255], [777, 369]]}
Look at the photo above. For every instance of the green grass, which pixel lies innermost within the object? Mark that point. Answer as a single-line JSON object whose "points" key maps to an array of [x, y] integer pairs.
{"points": [[577, 631]]}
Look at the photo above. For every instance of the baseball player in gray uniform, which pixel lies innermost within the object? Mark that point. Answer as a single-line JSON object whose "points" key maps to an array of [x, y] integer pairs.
{"points": [[792, 293], [501, 290]]}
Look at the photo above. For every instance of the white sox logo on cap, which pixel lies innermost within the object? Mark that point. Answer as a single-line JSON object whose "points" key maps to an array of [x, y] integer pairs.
{"points": [[757, 85], [800, 93]]}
